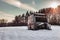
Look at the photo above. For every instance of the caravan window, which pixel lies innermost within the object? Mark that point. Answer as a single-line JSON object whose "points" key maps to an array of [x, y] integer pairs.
{"points": [[38, 19]]}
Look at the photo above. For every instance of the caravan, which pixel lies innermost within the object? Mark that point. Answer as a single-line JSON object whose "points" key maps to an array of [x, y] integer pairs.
{"points": [[38, 21]]}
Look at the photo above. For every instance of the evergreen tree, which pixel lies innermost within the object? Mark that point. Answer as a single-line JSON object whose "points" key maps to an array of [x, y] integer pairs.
{"points": [[23, 15], [27, 13]]}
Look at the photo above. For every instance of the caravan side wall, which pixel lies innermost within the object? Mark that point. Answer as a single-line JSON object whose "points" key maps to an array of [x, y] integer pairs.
{"points": [[31, 22]]}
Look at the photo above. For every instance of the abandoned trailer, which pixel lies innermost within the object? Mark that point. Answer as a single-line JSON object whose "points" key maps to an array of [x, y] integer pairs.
{"points": [[38, 21]]}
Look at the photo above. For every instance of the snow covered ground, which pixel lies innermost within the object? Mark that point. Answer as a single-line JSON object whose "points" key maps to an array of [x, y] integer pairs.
{"points": [[21, 33]]}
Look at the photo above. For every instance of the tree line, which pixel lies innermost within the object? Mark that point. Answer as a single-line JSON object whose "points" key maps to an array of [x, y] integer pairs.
{"points": [[53, 17]]}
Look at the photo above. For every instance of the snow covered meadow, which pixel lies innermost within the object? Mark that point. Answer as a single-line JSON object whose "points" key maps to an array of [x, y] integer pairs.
{"points": [[21, 33]]}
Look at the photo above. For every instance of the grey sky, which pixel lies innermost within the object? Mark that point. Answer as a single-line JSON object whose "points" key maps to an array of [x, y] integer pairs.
{"points": [[16, 7]]}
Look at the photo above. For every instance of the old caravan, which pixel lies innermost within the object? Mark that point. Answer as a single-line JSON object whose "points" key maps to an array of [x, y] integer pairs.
{"points": [[38, 21]]}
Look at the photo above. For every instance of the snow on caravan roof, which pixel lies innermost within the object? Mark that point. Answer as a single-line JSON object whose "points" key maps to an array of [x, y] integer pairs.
{"points": [[41, 14]]}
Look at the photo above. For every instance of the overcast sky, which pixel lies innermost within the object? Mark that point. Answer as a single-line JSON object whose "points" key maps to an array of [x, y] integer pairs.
{"points": [[16, 7]]}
